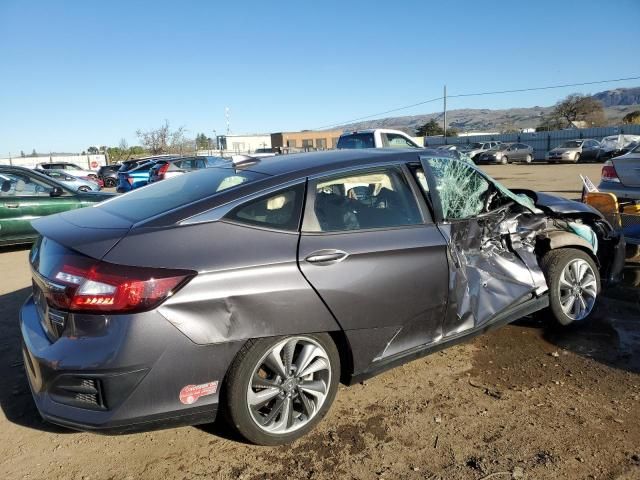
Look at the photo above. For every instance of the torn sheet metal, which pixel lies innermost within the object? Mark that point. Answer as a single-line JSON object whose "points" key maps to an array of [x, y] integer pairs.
{"points": [[494, 266]]}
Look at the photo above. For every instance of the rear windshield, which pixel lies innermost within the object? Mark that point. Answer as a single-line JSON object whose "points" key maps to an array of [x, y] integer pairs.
{"points": [[356, 140], [161, 197]]}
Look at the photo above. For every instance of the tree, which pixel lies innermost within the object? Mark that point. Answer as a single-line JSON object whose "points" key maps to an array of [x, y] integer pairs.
{"points": [[202, 142], [33, 153], [430, 129], [163, 139], [92, 150], [577, 107], [136, 150], [22, 154], [632, 117]]}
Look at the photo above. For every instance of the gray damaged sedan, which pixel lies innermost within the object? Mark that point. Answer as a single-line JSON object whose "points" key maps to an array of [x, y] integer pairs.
{"points": [[252, 290]]}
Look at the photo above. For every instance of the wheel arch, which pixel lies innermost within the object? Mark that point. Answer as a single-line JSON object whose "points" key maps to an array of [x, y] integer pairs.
{"points": [[558, 239]]}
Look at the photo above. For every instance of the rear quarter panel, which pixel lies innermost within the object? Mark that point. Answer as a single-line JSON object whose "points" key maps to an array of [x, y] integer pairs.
{"points": [[248, 283]]}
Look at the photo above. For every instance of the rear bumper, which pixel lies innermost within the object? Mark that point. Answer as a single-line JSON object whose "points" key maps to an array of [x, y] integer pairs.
{"points": [[620, 191], [132, 368]]}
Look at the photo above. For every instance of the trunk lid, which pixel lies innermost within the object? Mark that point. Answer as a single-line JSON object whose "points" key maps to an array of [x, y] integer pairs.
{"points": [[90, 231], [628, 169]]}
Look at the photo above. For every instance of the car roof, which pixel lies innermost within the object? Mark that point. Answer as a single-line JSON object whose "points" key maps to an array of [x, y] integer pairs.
{"points": [[304, 164]]}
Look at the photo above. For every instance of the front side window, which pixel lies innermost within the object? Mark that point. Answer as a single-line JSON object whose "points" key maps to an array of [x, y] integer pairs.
{"points": [[279, 210], [370, 199]]}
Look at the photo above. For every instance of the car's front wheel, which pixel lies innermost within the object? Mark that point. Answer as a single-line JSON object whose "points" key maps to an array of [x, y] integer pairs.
{"points": [[504, 160], [279, 388], [528, 159], [109, 182], [574, 284]]}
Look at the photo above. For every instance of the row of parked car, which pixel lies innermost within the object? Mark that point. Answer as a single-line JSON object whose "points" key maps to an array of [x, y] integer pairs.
{"points": [[571, 151]]}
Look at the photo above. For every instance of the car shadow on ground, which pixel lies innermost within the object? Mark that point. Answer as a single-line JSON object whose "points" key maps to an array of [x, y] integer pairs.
{"points": [[15, 397], [611, 337]]}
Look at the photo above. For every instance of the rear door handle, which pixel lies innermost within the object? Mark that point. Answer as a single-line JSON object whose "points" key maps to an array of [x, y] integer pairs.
{"points": [[326, 257], [12, 205]]}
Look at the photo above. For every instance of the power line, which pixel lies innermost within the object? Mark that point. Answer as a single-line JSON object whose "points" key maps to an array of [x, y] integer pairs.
{"points": [[543, 88], [478, 94], [380, 113]]}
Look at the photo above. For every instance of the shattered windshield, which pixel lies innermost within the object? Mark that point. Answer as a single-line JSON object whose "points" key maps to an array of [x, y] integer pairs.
{"points": [[464, 192]]}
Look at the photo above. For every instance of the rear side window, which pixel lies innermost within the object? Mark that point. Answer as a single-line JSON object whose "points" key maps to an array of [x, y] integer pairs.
{"points": [[356, 141], [280, 210], [370, 199], [160, 197]]}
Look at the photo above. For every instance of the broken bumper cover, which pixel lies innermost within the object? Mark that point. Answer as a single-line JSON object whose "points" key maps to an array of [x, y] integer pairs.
{"points": [[121, 373]]}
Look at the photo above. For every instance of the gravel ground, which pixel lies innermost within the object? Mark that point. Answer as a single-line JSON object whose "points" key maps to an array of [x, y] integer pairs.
{"points": [[526, 401]]}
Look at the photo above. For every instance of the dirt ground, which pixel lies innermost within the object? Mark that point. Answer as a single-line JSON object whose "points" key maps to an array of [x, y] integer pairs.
{"points": [[526, 401]]}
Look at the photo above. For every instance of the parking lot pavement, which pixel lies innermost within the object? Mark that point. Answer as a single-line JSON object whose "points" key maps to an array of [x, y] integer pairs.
{"points": [[526, 401]]}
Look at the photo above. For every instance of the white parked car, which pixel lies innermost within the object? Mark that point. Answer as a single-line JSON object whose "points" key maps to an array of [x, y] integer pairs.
{"points": [[376, 138]]}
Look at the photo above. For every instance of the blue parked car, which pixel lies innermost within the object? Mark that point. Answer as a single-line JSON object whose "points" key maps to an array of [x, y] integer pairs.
{"points": [[136, 177], [135, 173]]}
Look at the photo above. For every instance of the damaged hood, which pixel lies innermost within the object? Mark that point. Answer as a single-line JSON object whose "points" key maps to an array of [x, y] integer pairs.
{"points": [[558, 205]]}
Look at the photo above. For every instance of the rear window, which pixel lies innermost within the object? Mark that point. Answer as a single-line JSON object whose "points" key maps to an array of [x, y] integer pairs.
{"points": [[356, 140], [163, 196]]}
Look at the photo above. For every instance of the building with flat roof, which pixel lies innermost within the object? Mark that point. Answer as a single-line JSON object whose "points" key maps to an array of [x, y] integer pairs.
{"points": [[239, 144], [306, 140]]}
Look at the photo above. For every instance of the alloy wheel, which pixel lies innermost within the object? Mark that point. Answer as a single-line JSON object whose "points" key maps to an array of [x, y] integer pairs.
{"points": [[289, 385], [577, 289]]}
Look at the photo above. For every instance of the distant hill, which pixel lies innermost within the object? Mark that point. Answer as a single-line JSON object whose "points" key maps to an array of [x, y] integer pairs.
{"points": [[617, 104]]}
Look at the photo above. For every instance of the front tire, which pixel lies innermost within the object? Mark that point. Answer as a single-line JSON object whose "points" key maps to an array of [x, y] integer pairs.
{"points": [[279, 388], [528, 159], [574, 284], [504, 160], [577, 158], [109, 182]]}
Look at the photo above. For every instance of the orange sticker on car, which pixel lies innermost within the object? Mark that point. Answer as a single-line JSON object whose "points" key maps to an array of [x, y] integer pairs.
{"points": [[191, 393]]}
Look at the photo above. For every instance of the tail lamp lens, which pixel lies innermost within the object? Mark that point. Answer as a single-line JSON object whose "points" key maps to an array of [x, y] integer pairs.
{"points": [[162, 170], [609, 173], [104, 287], [130, 180]]}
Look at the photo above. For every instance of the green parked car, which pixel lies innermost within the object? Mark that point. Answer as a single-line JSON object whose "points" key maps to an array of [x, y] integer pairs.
{"points": [[26, 195]]}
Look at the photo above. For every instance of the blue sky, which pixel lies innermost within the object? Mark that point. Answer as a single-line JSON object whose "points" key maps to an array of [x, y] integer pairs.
{"points": [[80, 73]]}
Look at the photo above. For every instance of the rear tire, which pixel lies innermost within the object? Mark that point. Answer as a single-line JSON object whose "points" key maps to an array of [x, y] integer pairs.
{"points": [[574, 284], [274, 369]]}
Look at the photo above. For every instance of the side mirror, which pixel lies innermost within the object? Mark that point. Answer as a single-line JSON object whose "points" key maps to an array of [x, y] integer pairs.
{"points": [[56, 192]]}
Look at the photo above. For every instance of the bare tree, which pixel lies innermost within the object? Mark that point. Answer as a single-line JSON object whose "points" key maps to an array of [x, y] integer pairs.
{"points": [[577, 107], [163, 139]]}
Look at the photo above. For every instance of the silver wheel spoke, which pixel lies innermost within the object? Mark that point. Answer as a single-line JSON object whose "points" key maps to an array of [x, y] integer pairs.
{"points": [[306, 355], [568, 306], [257, 399], [274, 362], [314, 387], [316, 366], [287, 352]]}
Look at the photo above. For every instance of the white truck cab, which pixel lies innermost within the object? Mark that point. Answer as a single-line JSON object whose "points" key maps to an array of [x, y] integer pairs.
{"points": [[376, 138]]}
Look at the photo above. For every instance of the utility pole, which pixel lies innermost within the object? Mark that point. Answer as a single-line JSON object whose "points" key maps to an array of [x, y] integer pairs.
{"points": [[445, 114]]}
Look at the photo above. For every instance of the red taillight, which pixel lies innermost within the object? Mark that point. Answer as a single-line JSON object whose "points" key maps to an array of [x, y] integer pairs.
{"points": [[104, 287], [130, 180], [609, 173], [162, 170]]}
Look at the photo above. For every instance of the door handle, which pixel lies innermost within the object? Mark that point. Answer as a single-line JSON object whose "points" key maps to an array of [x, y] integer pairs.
{"points": [[12, 205], [326, 257]]}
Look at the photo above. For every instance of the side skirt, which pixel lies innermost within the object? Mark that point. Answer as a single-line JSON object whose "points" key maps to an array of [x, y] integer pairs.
{"points": [[510, 315]]}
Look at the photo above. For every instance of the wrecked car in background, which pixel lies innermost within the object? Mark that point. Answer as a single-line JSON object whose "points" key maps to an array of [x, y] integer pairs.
{"points": [[285, 277]]}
